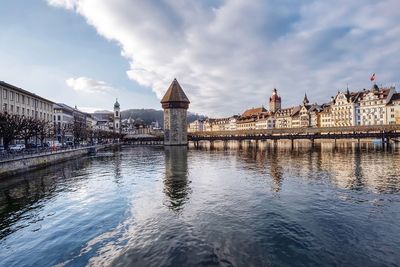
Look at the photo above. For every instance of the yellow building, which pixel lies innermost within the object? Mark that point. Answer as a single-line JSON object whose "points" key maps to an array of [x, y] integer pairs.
{"points": [[393, 110]]}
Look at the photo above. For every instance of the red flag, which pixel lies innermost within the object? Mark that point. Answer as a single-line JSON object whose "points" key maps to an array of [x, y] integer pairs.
{"points": [[372, 77]]}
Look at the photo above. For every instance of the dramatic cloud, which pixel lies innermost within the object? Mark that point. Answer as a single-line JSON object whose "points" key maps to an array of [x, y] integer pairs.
{"points": [[228, 55], [87, 85], [68, 4]]}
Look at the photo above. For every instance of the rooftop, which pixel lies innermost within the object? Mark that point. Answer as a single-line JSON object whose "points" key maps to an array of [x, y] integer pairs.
{"points": [[175, 94], [10, 86]]}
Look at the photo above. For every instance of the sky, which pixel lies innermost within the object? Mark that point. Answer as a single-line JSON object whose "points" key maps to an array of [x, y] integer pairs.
{"points": [[227, 55]]}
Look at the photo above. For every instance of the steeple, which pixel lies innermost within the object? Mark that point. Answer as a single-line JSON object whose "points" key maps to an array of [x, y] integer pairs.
{"points": [[305, 101], [274, 101], [116, 105]]}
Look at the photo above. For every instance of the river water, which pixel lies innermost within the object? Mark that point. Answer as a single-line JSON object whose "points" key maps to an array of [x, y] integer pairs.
{"points": [[150, 206]]}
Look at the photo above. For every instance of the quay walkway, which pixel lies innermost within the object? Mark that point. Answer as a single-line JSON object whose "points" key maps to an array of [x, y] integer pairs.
{"points": [[21, 162]]}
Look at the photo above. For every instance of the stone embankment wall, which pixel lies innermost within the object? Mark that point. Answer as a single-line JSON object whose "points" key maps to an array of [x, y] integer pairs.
{"points": [[20, 165]]}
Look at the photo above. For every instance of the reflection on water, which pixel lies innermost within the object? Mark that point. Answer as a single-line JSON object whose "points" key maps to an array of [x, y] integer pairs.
{"points": [[176, 180], [149, 206]]}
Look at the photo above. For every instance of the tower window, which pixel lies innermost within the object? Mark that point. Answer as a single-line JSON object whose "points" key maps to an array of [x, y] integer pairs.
{"points": [[116, 113]]}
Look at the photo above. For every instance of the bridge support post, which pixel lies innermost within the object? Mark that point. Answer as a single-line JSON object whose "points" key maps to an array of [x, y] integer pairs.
{"points": [[292, 142], [312, 142], [211, 144], [240, 144], [225, 144], [275, 143]]}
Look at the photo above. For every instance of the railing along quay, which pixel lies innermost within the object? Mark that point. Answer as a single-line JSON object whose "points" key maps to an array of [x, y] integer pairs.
{"points": [[6, 155]]}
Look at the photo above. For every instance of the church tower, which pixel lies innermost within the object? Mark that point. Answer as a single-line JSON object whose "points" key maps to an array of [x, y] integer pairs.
{"points": [[274, 102], [117, 117], [175, 104]]}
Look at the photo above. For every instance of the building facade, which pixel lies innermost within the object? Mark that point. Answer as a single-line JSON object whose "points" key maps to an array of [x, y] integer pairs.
{"points": [[393, 110], [373, 104], [17, 101]]}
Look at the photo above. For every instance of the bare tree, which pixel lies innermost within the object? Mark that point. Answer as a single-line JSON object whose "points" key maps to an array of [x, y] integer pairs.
{"points": [[29, 128], [44, 130], [10, 127]]}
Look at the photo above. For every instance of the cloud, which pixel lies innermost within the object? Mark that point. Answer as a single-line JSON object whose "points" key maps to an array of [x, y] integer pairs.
{"points": [[87, 85], [67, 4], [228, 55]]}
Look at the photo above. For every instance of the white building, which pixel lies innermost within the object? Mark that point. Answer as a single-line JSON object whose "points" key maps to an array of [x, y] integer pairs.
{"points": [[345, 109], [373, 105], [17, 101], [196, 126]]}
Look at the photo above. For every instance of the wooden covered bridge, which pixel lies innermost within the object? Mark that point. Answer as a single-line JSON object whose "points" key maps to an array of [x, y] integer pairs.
{"points": [[382, 132]]}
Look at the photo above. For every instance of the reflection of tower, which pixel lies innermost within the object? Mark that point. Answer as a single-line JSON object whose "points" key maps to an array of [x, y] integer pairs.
{"points": [[175, 183], [117, 117], [175, 104], [274, 101]]}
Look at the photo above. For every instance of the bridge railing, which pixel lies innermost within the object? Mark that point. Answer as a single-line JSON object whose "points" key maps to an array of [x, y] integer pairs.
{"points": [[302, 131]]}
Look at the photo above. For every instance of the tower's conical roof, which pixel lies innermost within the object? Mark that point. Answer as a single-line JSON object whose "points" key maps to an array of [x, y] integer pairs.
{"points": [[175, 94]]}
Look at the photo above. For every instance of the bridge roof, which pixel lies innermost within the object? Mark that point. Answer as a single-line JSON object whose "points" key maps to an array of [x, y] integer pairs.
{"points": [[175, 94]]}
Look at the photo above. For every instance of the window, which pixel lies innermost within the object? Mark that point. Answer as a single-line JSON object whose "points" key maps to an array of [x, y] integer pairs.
{"points": [[11, 96], [17, 97], [12, 108], [23, 100], [5, 107], [18, 110], [4, 93], [23, 111], [59, 117]]}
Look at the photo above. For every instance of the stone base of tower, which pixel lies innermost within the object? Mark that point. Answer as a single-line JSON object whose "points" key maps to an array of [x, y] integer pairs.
{"points": [[175, 127]]}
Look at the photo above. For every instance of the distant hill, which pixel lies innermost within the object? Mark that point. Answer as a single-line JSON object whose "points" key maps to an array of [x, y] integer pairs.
{"points": [[150, 115]]}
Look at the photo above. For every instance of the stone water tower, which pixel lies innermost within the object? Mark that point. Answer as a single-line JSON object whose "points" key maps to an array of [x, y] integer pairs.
{"points": [[175, 104]]}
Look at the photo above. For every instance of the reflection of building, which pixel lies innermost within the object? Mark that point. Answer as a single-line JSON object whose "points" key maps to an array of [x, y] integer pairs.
{"points": [[275, 173], [175, 104], [176, 177]]}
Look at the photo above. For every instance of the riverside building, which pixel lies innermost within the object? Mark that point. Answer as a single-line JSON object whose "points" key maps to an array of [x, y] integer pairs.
{"points": [[376, 106], [17, 101]]}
